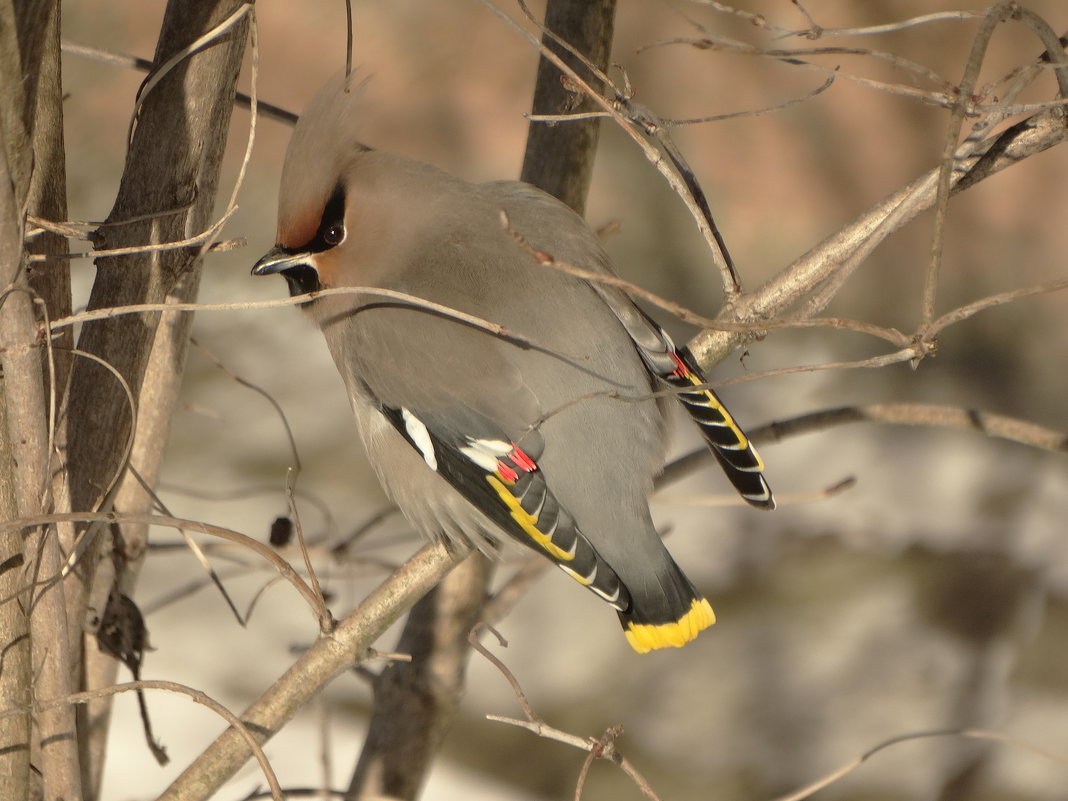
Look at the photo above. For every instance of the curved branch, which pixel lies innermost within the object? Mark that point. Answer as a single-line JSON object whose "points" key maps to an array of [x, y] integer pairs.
{"points": [[329, 656], [989, 424], [839, 255]]}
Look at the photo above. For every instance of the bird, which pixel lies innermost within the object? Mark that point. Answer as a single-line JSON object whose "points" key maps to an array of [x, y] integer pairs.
{"points": [[499, 396]]}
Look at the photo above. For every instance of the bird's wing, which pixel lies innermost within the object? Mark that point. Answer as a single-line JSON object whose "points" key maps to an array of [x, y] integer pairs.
{"points": [[505, 482], [675, 366]]}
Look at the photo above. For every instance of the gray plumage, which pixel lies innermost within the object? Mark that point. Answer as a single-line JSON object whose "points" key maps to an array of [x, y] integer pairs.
{"points": [[434, 397]]}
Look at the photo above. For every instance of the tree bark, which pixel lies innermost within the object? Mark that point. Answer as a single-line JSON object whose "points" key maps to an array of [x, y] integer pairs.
{"points": [[559, 157], [14, 627], [33, 182], [167, 193], [415, 702]]}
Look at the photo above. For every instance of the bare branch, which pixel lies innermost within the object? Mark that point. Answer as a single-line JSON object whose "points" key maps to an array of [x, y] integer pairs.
{"points": [[599, 748], [992, 301], [987, 423], [964, 92], [237, 724], [992, 425], [417, 700], [840, 254], [978, 734], [268, 110], [890, 27], [330, 655], [314, 600]]}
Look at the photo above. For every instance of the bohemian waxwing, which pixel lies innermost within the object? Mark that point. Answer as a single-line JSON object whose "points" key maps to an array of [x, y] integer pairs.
{"points": [[549, 434]]}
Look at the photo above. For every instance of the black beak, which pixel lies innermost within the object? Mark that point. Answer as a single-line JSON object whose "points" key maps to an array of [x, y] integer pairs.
{"points": [[278, 260], [296, 268]]}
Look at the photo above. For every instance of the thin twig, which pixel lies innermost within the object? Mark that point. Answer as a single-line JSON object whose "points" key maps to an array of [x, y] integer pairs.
{"points": [[202, 698], [889, 27], [158, 73], [669, 122], [204, 238], [402, 297], [998, 14], [633, 130], [976, 734], [520, 696], [328, 656], [991, 301], [283, 567], [309, 568], [267, 110], [603, 748], [193, 546], [275, 405]]}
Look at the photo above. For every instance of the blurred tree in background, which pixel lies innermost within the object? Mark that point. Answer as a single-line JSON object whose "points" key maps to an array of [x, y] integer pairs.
{"points": [[915, 579]]}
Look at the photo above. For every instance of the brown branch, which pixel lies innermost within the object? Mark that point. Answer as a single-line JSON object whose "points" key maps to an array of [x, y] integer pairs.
{"points": [[989, 424], [1000, 299], [559, 158], [873, 30], [32, 180], [964, 93], [920, 414], [599, 748], [389, 296], [329, 656], [415, 701], [977, 734], [940, 97], [266, 110], [236, 723], [839, 255]]}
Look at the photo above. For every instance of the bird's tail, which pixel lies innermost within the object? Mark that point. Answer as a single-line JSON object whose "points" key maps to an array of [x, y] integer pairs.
{"points": [[676, 366], [729, 444], [666, 612]]}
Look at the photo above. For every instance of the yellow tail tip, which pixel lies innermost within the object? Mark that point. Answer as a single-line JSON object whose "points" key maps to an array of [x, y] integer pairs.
{"points": [[645, 637]]}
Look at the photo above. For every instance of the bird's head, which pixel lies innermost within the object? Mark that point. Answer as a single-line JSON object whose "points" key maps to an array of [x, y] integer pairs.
{"points": [[313, 231]]}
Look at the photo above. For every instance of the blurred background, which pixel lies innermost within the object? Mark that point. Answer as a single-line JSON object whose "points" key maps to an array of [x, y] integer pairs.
{"points": [[932, 595]]}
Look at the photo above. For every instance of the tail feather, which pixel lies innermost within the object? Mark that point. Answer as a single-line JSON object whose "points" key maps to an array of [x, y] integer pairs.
{"points": [[730, 445], [665, 610], [645, 637]]}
